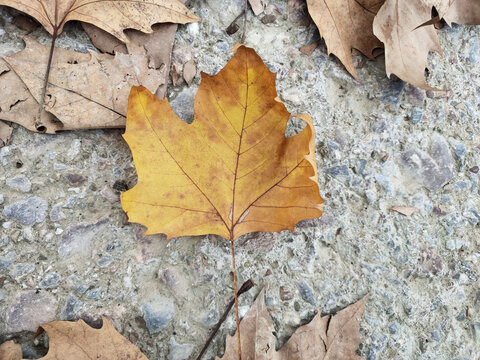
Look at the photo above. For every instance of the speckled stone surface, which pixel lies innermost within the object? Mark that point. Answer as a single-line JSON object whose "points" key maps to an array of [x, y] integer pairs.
{"points": [[380, 143]]}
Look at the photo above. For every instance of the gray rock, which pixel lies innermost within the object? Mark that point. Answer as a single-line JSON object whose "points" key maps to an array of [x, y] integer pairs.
{"points": [[81, 288], [6, 261], [29, 310], [158, 313], [2, 199], [434, 171], [105, 260], [56, 213], [417, 115], [339, 172], [179, 351], [50, 281], [29, 212], [94, 294], [306, 292], [211, 318], [77, 238], [458, 147], [71, 308], [18, 271], [19, 183]]}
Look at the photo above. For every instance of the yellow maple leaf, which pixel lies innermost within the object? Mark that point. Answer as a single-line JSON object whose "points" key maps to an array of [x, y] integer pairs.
{"points": [[232, 171]]}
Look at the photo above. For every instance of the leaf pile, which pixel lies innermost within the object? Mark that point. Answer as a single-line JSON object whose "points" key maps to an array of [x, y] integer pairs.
{"points": [[89, 90], [404, 27], [327, 337], [232, 171], [78, 341]]}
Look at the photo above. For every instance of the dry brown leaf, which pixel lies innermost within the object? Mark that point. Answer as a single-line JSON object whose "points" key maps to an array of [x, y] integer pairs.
{"points": [[346, 25], [466, 12], [309, 49], [298, 12], [70, 340], [189, 71], [257, 6], [5, 134], [405, 210], [10, 351], [327, 337], [398, 25], [113, 16], [158, 46], [232, 171], [86, 90]]}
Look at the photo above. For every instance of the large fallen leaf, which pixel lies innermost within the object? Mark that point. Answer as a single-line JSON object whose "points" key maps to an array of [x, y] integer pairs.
{"points": [[86, 90], [231, 171], [398, 25], [346, 25], [113, 16], [328, 337], [78, 341]]}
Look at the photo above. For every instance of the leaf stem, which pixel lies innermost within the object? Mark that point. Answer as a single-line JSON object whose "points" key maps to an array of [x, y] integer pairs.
{"points": [[247, 285], [244, 23], [236, 300], [38, 123]]}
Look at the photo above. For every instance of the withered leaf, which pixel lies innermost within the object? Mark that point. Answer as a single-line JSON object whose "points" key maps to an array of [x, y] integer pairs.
{"points": [[398, 25], [405, 210], [230, 172], [113, 16], [86, 90], [327, 337], [346, 25], [70, 340], [157, 45]]}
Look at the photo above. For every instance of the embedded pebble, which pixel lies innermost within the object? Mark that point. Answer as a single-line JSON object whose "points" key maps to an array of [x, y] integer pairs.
{"points": [[29, 212], [158, 313], [19, 183]]}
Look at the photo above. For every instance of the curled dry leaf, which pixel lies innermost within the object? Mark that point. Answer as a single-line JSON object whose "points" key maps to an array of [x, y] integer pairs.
{"points": [[70, 340], [346, 25], [327, 337], [113, 16], [230, 172], [398, 25], [87, 90]]}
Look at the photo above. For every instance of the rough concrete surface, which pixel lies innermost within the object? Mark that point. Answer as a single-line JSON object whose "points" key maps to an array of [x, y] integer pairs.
{"points": [[67, 250]]}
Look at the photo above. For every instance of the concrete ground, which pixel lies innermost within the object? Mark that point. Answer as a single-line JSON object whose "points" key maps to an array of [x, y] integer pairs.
{"points": [[67, 251]]}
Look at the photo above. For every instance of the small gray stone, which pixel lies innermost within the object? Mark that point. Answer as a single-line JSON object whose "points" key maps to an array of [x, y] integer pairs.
{"points": [[94, 294], [77, 239], [339, 172], [459, 148], [6, 261], [29, 212], [105, 260], [50, 281], [476, 331], [2, 199], [211, 318], [417, 115], [29, 310], [20, 183], [18, 271], [306, 292], [81, 288], [56, 213], [179, 351], [71, 308], [158, 313]]}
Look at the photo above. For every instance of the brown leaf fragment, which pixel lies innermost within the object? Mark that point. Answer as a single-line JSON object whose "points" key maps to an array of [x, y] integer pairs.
{"points": [[466, 12], [5, 134], [26, 23], [310, 48], [257, 6], [405, 210], [328, 337], [86, 90], [103, 40], [10, 351], [78, 341], [189, 71], [346, 25]]}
